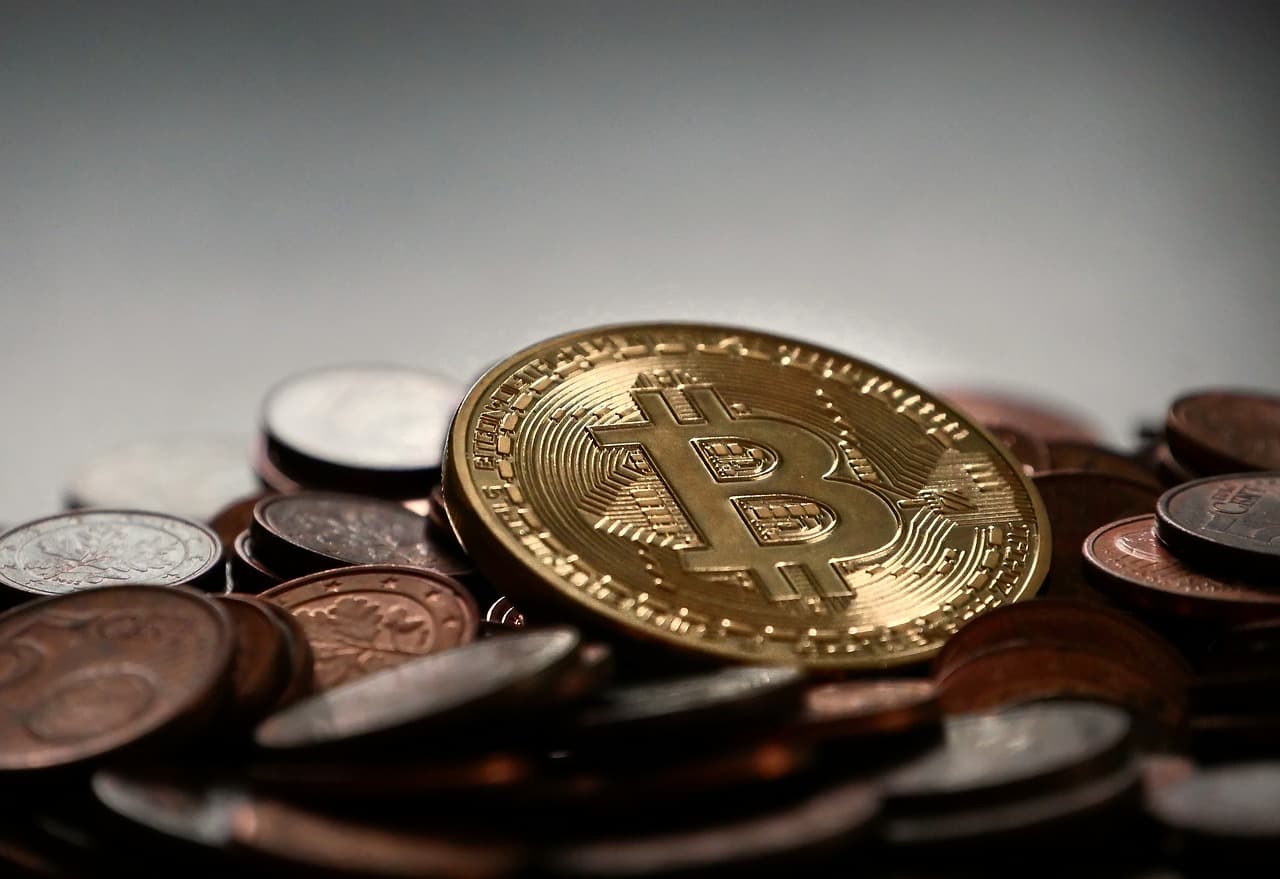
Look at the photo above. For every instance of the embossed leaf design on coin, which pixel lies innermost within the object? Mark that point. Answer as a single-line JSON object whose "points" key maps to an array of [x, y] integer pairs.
{"points": [[365, 619]]}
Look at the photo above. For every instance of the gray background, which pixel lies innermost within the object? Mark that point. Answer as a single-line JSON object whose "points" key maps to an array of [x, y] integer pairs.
{"points": [[1070, 199]]}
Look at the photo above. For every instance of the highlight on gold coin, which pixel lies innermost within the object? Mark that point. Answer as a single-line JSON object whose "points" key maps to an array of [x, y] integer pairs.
{"points": [[739, 494]]}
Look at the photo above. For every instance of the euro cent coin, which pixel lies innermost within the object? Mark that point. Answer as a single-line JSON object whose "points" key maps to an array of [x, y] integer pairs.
{"points": [[739, 494]]}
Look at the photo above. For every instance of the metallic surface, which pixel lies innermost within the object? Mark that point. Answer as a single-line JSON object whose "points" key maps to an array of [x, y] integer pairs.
{"points": [[1228, 522], [1225, 431], [260, 668], [738, 494]]}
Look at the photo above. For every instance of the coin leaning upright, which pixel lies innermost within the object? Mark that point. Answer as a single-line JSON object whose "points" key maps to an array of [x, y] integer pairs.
{"points": [[739, 494]]}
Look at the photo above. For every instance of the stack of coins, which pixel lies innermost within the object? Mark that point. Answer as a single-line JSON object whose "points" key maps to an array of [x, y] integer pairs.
{"points": [[656, 600]]}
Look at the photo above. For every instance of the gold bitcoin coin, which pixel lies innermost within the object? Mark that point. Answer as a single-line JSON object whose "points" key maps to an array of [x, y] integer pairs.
{"points": [[739, 494]]}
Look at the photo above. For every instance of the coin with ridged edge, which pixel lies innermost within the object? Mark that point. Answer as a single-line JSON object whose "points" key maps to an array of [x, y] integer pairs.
{"points": [[739, 494]]}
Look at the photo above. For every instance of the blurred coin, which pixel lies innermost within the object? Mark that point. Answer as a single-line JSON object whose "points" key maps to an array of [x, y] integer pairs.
{"points": [[1020, 751], [188, 811], [1226, 522], [502, 616], [1127, 559], [306, 532], [1232, 803], [96, 671], [855, 709], [1028, 448], [247, 573], [83, 549], [1021, 673], [1225, 431], [1093, 458], [437, 515], [269, 474], [444, 691], [370, 429], [188, 476], [785, 838], [365, 619], [404, 777], [1033, 417], [1059, 622], [589, 673], [260, 669], [1251, 645], [233, 519], [1219, 738], [1077, 503], [1169, 470], [298, 649]]}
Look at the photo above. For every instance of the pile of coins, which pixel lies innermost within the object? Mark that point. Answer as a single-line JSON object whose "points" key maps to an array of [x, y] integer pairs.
{"points": [[652, 600]]}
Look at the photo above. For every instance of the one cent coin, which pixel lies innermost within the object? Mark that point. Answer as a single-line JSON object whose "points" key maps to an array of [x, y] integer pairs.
{"points": [[361, 620], [260, 669], [851, 709], [437, 693], [301, 660], [1168, 469], [1226, 522], [80, 550], [247, 573], [1127, 560], [1077, 503], [189, 476], [373, 429], [303, 533], [92, 672], [1093, 458], [1225, 431]]}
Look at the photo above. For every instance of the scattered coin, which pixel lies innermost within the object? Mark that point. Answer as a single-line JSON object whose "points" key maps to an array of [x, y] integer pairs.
{"points": [[1028, 448], [247, 573], [307, 532], [260, 668], [737, 494], [1226, 522], [88, 548], [1169, 470], [234, 518], [298, 650], [1225, 431], [375, 430], [854, 709], [420, 779], [1224, 803], [1032, 417], [93, 672], [188, 476], [428, 694], [361, 620], [1127, 560], [1093, 458]]}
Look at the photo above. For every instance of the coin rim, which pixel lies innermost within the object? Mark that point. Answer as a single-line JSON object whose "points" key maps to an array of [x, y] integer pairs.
{"points": [[501, 557], [1186, 541]]}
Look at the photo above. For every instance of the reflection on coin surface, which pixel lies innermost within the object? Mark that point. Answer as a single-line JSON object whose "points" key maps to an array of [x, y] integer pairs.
{"points": [[88, 673], [1225, 521], [88, 548], [298, 534], [364, 619], [739, 494]]}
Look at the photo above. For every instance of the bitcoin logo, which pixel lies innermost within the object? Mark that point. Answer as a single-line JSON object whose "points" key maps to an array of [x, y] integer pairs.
{"points": [[799, 522]]}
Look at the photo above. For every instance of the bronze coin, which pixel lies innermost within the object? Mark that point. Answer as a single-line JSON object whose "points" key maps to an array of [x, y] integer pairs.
{"points": [[1225, 431], [1093, 458], [1062, 623], [376, 430], [301, 661], [1127, 559], [1235, 802], [1029, 749], [1226, 522], [820, 825], [234, 518], [365, 619], [502, 616], [309, 531], [853, 709], [1077, 503], [260, 668], [1031, 417], [92, 672], [460, 776], [247, 573], [80, 550], [427, 694], [1022, 673], [1169, 470], [1029, 449]]}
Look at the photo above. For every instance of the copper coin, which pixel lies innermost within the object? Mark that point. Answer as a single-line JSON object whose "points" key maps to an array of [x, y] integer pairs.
{"points": [[1227, 522], [1062, 623], [1127, 559], [234, 518], [365, 619], [1022, 673], [853, 709], [260, 669], [377, 430], [1235, 802], [1225, 431], [1029, 449], [90, 673], [430, 693], [1032, 417], [419, 778], [188, 476], [1093, 458], [1169, 470], [820, 825], [1077, 503], [80, 550], [303, 533], [269, 473], [298, 648], [247, 573], [502, 616]]}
